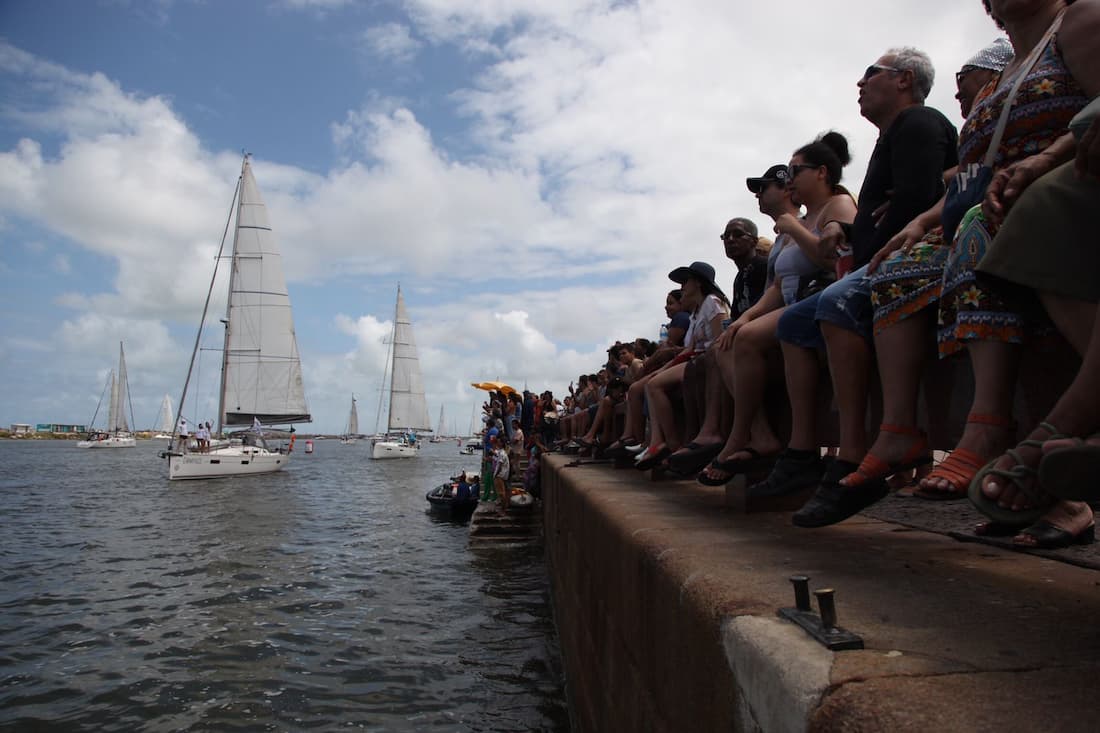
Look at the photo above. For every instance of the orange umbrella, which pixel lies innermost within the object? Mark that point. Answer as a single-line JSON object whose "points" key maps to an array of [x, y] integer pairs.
{"points": [[494, 387]]}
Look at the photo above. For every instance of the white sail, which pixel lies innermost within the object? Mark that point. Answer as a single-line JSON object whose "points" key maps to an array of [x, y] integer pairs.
{"points": [[118, 406], [112, 406], [261, 372], [440, 430], [117, 433], [164, 419], [353, 419], [262, 375], [408, 407]]}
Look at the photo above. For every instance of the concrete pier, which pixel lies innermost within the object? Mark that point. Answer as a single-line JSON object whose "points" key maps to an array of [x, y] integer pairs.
{"points": [[666, 606]]}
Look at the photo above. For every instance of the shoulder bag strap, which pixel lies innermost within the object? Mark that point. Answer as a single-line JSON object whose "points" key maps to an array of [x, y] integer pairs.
{"points": [[1025, 69]]}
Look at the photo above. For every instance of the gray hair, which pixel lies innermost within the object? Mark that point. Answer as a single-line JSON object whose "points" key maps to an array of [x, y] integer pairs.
{"points": [[910, 59]]}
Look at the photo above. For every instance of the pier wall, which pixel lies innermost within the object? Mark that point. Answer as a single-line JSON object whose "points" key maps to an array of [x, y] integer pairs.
{"points": [[649, 643], [665, 600]]}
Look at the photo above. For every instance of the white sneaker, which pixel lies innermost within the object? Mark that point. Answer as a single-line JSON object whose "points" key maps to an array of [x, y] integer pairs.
{"points": [[635, 448], [641, 454]]}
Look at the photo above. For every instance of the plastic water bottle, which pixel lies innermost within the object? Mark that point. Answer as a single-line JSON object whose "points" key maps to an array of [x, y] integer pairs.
{"points": [[664, 332]]}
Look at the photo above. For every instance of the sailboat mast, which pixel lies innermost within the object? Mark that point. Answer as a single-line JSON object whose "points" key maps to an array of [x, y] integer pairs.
{"points": [[393, 359], [205, 309], [228, 302]]}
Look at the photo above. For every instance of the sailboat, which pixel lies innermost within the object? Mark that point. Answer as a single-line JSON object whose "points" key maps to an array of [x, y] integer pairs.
{"points": [[438, 437], [351, 434], [408, 409], [164, 420], [117, 434], [261, 372]]}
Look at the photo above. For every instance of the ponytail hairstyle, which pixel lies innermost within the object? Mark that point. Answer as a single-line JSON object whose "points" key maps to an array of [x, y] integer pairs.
{"points": [[831, 151]]}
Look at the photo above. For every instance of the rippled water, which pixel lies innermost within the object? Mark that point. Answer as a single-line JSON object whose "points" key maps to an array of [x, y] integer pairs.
{"points": [[319, 597]]}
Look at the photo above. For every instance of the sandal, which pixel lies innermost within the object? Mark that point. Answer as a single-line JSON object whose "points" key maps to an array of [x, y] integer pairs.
{"points": [[1017, 475], [694, 461], [735, 466], [1073, 472], [1044, 535], [961, 465], [650, 458], [834, 502], [873, 468]]}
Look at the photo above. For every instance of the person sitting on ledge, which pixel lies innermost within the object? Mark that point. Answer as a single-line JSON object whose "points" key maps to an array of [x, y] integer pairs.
{"points": [[709, 308]]}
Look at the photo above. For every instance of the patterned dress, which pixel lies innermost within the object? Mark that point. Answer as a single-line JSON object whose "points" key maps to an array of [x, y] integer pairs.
{"points": [[935, 271]]}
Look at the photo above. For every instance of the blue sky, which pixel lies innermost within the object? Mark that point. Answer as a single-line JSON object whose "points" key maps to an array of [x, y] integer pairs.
{"points": [[528, 172]]}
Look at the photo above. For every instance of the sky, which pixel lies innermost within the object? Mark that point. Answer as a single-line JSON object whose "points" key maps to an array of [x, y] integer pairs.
{"points": [[528, 173]]}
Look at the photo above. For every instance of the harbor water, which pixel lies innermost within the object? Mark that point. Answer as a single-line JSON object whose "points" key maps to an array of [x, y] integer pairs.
{"points": [[323, 596]]}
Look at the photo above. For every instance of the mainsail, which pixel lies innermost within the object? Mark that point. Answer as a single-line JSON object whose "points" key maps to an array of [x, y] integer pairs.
{"points": [[164, 420], [262, 373], [353, 419], [408, 407], [118, 396]]}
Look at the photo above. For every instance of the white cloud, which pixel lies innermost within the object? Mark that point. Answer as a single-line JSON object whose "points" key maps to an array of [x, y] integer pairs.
{"points": [[612, 142], [391, 42]]}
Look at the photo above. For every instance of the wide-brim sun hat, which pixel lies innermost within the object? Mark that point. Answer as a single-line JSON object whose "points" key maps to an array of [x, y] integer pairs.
{"points": [[702, 271]]}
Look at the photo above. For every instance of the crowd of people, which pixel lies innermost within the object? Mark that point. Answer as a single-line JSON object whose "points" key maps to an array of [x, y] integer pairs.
{"points": [[967, 242]]}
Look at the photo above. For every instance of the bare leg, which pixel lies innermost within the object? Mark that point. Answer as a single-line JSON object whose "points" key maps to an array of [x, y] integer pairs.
{"points": [[802, 371], [849, 366], [716, 400], [902, 352], [750, 353], [662, 417]]}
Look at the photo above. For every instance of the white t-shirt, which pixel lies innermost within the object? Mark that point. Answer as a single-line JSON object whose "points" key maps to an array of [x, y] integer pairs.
{"points": [[699, 333]]}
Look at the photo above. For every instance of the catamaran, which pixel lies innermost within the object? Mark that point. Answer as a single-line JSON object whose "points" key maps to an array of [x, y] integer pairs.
{"points": [[261, 372], [408, 409], [117, 434]]}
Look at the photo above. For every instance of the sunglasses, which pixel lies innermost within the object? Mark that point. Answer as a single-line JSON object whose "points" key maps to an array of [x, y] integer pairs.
{"points": [[733, 234], [796, 169], [874, 69]]}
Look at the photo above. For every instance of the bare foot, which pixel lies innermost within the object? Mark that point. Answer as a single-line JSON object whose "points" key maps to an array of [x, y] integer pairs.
{"points": [[980, 438], [1021, 492]]}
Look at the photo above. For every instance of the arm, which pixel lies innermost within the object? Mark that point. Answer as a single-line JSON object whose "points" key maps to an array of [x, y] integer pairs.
{"points": [[839, 208], [769, 301], [912, 233]]}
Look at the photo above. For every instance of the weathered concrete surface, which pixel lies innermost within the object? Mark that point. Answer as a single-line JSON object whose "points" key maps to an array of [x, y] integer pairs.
{"points": [[666, 603]]}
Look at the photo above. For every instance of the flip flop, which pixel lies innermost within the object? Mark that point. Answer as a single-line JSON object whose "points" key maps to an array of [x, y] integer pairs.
{"points": [[1072, 472], [736, 466], [652, 459], [695, 460]]}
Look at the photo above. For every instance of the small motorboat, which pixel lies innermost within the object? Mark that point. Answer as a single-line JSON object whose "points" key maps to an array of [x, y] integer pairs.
{"points": [[443, 498]]}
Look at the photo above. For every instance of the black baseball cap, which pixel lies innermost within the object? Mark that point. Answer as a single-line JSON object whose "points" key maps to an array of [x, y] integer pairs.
{"points": [[775, 174]]}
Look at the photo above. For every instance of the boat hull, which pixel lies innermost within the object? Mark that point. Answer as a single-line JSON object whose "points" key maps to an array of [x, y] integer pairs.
{"points": [[112, 442], [440, 501], [224, 463], [392, 449]]}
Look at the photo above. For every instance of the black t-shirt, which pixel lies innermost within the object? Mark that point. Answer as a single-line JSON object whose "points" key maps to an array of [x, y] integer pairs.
{"points": [[906, 168], [748, 286]]}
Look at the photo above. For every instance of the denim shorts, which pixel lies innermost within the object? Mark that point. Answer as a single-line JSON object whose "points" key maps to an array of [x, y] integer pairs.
{"points": [[846, 304]]}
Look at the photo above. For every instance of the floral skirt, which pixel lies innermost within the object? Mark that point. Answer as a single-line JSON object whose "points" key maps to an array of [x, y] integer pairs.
{"points": [[933, 272]]}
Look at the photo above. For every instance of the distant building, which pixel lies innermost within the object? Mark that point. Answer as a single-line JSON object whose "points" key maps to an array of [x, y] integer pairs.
{"points": [[59, 428], [20, 428]]}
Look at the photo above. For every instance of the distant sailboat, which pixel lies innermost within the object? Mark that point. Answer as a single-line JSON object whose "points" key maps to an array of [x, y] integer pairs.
{"points": [[351, 432], [117, 434], [164, 420], [439, 431], [408, 409], [261, 371]]}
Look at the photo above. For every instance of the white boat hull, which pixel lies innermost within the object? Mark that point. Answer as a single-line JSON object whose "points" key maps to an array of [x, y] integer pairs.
{"points": [[393, 449], [112, 442], [225, 462]]}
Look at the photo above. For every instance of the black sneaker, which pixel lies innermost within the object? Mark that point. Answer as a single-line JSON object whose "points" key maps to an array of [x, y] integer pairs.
{"points": [[790, 475], [833, 503]]}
